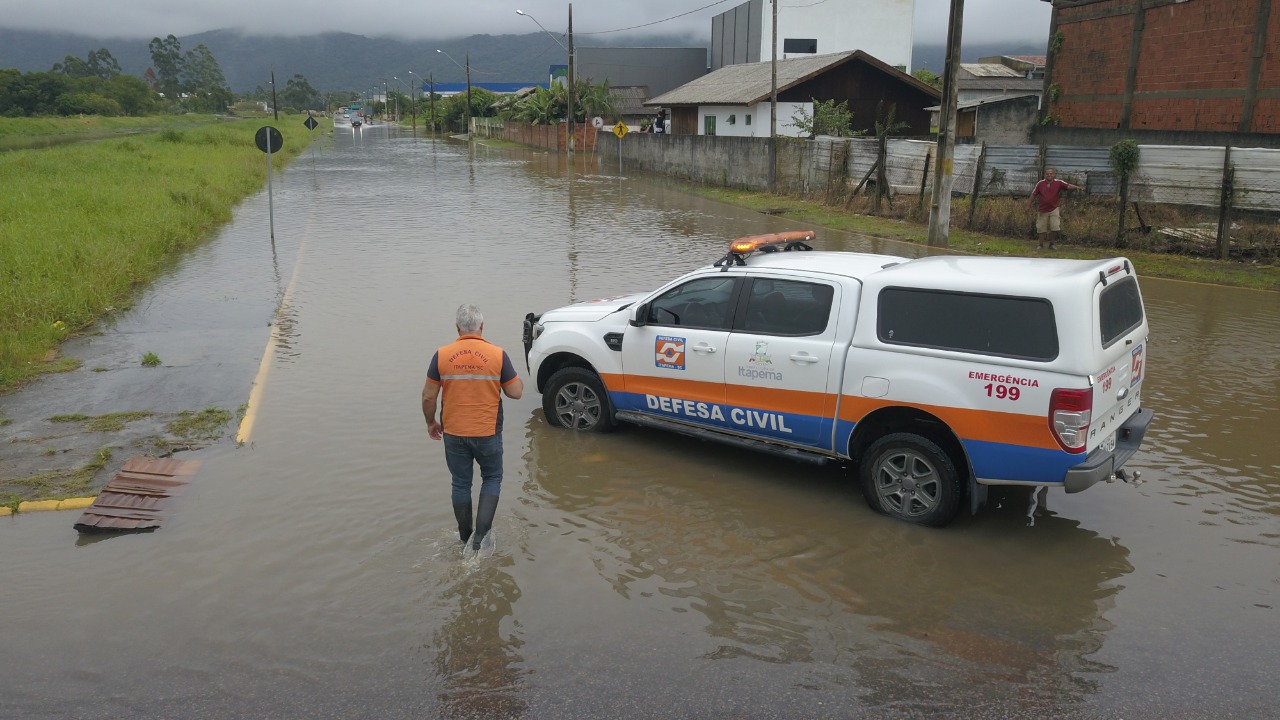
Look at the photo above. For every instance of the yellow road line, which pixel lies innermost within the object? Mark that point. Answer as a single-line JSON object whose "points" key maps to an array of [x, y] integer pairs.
{"points": [[245, 432]]}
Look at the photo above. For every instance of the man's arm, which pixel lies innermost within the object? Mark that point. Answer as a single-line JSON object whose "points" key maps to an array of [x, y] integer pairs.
{"points": [[512, 385], [430, 393]]}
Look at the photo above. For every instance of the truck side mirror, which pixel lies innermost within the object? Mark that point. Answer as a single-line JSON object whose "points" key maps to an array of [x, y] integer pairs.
{"points": [[635, 315]]}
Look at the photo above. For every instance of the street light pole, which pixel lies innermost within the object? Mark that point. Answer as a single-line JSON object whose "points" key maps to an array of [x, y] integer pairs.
{"points": [[571, 87], [569, 50], [468, 71], [413, 101]]}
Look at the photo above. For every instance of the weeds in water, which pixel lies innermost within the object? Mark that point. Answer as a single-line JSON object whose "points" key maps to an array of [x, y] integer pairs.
{"points": [[70, 482], [110, 422], [150, 360], [204, 425]]}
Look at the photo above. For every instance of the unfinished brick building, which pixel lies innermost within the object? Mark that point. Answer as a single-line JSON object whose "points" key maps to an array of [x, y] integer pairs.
{"points": [[1205, 70]]}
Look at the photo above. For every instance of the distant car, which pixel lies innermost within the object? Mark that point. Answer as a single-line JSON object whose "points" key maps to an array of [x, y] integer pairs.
{"points": [[346, 116]]}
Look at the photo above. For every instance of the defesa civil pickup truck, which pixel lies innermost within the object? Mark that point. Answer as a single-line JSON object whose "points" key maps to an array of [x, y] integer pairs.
{"points": [[936, 377]]}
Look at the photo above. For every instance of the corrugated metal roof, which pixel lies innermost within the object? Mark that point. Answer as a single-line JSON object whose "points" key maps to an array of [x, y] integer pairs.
{"points": [[1017, 84], [750, 83], [629, 99], [136, 498], [990, 70]]}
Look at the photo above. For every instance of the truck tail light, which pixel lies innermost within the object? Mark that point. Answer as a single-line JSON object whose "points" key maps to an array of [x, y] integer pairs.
{"points": [[1070, 412]]}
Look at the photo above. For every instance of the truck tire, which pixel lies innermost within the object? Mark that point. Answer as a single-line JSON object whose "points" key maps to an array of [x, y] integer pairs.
{"points": [[575, 399], [908, 477]]}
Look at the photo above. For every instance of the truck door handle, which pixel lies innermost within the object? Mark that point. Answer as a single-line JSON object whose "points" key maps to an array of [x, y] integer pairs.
{"points": [[804, 358], [703, 348]]}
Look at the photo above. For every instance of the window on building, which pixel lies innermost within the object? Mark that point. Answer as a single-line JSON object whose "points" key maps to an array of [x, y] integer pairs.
{"points": [[709, 125], [800, 45]]}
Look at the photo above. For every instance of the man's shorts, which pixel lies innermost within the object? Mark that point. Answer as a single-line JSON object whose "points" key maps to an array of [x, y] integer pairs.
{"points": [[1048, 222]]}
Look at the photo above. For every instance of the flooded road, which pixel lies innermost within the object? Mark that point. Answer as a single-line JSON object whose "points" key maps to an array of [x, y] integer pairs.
{"points": [[314, 570]]}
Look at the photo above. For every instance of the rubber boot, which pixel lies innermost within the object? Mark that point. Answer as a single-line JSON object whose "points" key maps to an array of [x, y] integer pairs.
{"points": [[484, 518], [463, 514]]}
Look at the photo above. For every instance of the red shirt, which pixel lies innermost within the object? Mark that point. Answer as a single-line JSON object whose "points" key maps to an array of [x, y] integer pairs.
{"points": [[1049, 194]]}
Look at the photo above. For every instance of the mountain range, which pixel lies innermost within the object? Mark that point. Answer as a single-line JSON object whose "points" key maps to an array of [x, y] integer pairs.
{"points": [[343, 61]]}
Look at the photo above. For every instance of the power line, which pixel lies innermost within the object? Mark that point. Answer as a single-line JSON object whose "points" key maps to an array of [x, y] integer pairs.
{"points": [[655, 22]]}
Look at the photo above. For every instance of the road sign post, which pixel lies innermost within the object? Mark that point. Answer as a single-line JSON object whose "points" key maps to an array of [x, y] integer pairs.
{"points": [[269, 140], [621, 131]]}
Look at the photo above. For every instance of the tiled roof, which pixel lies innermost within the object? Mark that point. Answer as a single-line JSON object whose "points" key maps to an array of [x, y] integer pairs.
{"points": [[750, 83]]}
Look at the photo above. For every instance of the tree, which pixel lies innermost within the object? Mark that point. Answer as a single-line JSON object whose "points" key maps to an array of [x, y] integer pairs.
{"points": [[828, 119], [132, 93], [99, 64], [166, 60], [299, 94], [928, 77], [202, 78]]}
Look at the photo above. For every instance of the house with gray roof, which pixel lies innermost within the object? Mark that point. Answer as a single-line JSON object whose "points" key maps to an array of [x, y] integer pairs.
{"points": [[735, 99]]}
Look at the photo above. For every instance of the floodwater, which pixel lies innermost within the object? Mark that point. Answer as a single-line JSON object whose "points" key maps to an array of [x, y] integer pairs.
{"points": [[314, 570]]}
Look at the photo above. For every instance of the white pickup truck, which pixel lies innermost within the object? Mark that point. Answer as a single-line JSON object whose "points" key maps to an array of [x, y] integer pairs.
{"points": [[936, 377]]}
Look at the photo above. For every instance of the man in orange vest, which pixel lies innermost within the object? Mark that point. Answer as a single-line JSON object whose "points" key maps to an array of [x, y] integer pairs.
{"points": [[471, 374]]}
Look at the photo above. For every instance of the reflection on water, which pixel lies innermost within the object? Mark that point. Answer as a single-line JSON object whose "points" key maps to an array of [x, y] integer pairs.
{"points": [[475, 657], [795, 574], [1215, 388]]}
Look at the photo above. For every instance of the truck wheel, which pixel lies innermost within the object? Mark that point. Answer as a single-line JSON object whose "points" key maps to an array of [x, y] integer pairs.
{"points": [[910, 478], [576, 399]]}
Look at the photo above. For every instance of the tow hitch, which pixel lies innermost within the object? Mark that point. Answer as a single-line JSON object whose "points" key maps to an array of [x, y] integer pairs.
{"points": [[1124, 476]]}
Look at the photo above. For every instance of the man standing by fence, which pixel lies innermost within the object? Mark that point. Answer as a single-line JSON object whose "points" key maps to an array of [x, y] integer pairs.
{"points": [[1047, 197]]}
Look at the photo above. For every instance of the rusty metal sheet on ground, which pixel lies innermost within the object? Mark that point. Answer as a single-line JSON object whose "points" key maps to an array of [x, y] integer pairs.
{"points": [[138, 496]]}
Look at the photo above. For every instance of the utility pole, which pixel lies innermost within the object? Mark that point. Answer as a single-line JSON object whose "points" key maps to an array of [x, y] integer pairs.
{"points": [[773, 105], [468, 127], [943, 175], [431, 80], [571, 89], [275, 107]]}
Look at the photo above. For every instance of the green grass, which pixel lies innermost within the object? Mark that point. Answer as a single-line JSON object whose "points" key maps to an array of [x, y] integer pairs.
{"points": [[150, 360], [204, 425], [89, 224]]}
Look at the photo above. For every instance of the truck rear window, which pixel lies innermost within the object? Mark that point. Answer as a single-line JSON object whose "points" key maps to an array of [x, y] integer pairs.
{"points": [[1000, 325], [1120, 309]]}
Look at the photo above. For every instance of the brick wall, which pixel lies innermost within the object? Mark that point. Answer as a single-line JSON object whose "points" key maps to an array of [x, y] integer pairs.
{"points": [[1192, 72]]}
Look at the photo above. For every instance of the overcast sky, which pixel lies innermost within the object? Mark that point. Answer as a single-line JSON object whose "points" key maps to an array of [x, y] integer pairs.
{"points": [[985, 20]]}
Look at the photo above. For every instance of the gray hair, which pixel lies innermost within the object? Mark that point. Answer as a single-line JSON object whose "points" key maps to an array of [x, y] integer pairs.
{"points": [[469, 319]]}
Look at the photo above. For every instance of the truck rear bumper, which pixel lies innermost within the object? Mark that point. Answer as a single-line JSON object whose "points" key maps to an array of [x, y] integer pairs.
{"points": [[1101, 465]]}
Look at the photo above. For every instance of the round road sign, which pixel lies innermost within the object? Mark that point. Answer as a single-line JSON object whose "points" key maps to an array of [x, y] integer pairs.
{"points": [[266, 134]]}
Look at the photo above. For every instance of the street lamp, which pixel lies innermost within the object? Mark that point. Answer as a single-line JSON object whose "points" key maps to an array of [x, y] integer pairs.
{"points": [[569, 50], [467, 69], [413, 101], [406, 86]]}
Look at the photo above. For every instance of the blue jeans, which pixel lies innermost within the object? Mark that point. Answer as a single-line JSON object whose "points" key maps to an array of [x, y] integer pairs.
{"points": [[460, 454]]}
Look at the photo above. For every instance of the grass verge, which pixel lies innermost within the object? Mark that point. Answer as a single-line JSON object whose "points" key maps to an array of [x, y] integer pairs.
{"points": [[1153, 264], [85, 226]]}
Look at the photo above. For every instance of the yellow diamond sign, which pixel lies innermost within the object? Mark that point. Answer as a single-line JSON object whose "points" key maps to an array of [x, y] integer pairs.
{"points": [[620, 130]]}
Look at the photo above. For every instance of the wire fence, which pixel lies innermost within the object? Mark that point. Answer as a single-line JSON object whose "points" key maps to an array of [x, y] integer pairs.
{"points": [[1207, 201]]}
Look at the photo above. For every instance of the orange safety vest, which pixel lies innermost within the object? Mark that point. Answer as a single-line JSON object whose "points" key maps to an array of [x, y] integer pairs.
{"points": [[471, 372]]}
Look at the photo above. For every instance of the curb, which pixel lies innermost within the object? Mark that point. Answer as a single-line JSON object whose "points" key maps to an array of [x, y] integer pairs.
{"points": [[40, 505]]}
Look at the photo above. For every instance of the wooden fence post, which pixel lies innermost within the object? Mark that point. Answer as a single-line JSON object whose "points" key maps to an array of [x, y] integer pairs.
{"points": [[1224, 207], [924, 178], [977, 184]]}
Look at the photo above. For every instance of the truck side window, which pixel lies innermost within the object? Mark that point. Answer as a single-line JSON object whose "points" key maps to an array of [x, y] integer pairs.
{"points": [[701, 303], [787, 307], [1000, 325], [1120, 310]]}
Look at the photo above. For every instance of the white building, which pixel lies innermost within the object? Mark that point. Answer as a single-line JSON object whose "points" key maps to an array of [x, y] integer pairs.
{"points": [[880, 28]]}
